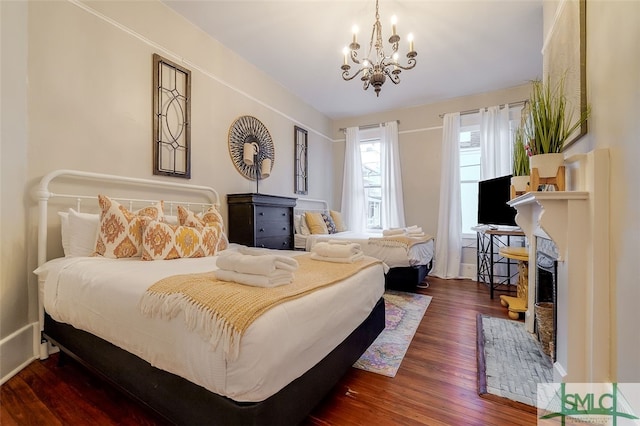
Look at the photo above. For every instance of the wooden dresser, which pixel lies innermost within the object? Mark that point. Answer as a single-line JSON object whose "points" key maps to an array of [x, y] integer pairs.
{"points": [[260, 220]]}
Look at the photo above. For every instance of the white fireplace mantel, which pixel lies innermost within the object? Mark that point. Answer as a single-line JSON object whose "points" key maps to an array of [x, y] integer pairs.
{"points": [[550, 214], [577, 221]]}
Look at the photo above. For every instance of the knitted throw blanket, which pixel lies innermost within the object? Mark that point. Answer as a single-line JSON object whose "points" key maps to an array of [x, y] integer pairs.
{"points": [[221, 311], [400, 240]]}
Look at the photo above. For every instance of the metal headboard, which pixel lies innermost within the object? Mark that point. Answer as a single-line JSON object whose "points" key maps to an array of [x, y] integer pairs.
{"points": [[43, 195]]}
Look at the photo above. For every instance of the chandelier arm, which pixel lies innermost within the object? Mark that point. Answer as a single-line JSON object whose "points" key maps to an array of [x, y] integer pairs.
{"points": [[345, 74], [395, 77], [410, 64]]}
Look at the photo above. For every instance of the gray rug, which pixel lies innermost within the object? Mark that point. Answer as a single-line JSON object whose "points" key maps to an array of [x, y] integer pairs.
{"points": [[510, 362]]}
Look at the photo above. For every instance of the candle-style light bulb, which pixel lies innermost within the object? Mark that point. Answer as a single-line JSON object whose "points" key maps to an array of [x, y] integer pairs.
{"points": [[394, 21], [410, 38], [345, 51], [355, 33]]}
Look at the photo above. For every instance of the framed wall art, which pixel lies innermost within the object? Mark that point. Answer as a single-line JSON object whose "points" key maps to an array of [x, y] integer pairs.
{"points": [[301, 163], [171, 118]]}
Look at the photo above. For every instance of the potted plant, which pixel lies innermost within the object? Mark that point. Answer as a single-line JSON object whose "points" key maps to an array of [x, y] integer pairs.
{"points": [[520, 179], [549, 124]]}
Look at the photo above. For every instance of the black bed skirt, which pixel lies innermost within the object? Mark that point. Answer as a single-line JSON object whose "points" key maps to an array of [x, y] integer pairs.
{"points": [[407, 278], [182, 402]]}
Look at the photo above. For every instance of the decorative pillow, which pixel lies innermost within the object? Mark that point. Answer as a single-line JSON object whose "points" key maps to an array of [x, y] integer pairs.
{"points": [[296, 223], [337, 219], [331, 226], [64, 232], [316, 223], [304, 227], [83, 232], [120, 232], [210, 218], [162, 241]]}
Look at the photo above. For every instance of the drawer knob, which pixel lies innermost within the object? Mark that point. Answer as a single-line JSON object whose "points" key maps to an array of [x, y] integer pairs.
{"points": [[261, 213], [284, 214], [284, 228], [261, 229]]}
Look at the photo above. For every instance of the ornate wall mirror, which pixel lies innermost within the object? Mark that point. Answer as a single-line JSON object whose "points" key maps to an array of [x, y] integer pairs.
{"points": [[301, 176], [171, 118]]}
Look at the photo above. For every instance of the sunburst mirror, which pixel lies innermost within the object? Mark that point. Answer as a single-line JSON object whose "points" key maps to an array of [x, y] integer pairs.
{"points": [[250, 130]]}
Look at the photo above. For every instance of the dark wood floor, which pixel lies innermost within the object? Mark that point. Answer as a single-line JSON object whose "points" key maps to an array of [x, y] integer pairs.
{"points": [[436, 383]]}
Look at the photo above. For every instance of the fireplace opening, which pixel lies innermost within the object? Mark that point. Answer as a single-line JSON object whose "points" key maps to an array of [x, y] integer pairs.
{"points": [[546, 307]]}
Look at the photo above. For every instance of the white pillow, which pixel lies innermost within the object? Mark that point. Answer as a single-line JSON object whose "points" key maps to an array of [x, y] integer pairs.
{"points": [[64, 231], [304, 226], [83, 232]]}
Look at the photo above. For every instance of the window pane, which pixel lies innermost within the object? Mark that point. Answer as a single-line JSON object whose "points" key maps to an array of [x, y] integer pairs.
{"points": [[370, 153], [469, 195]]}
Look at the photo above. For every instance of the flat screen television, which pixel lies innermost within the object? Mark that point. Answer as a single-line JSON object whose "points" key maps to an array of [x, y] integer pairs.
{"points": [[493, 195]]}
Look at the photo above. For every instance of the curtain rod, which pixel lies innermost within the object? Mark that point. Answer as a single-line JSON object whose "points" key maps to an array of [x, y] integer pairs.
{"points": [[366, 126], [473, 111]]}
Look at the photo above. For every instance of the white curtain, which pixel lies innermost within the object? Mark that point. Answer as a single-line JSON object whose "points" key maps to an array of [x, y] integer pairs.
{"points": [[353, 199], [495, 143], [449, 236], [392, 214]]}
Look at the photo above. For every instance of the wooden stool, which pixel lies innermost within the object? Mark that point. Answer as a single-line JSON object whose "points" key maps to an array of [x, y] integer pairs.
{"points": [[558, 180], [517, 304]]}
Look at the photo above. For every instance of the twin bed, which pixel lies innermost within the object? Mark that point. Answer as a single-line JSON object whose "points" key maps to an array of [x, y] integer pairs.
{"points": [[288, 358], [408, 262]]}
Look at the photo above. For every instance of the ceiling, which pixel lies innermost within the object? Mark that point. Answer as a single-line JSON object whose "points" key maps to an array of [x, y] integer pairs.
{"points": [[464, 47]]}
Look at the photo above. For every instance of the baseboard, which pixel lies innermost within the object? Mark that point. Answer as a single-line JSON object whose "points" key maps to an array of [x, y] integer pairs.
{"points": [[18, 350], [468, 270]]}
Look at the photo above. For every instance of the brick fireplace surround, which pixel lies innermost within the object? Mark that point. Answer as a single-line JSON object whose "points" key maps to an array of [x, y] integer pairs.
{"points": [[577, 221]]}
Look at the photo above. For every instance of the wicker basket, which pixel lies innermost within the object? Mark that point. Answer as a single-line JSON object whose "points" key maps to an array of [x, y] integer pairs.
{"points": [[544, 320]]}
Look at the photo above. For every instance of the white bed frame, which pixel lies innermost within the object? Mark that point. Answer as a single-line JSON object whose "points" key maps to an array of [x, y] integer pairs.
{"points": [[172, 396], [44, 195]]}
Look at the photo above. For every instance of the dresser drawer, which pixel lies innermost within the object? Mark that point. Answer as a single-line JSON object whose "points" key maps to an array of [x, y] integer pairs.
{"points": [[272, 228], [272, 213], [281, 242]]}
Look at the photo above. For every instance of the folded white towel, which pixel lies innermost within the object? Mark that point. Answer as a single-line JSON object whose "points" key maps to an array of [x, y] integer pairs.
{"points": [[343, 242], [282, 262], [393, 231], [274, 279], [413, 229], [336, 250], [415, 234], [257, 265], [350, 259]]}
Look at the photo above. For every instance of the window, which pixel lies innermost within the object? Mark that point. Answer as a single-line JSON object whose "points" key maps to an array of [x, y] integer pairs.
{"points": [[370, 155], [470, 162], [469, 176]]}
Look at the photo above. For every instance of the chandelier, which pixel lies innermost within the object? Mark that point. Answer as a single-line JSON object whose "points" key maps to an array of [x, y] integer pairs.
{"points": [[376, 66]]}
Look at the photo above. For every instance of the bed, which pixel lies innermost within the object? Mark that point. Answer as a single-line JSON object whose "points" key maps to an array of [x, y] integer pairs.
{"points": [[288, 358], [409, 264]]}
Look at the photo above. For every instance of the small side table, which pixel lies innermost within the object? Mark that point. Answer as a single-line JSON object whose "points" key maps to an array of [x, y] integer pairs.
{"points": [[517, 304]]}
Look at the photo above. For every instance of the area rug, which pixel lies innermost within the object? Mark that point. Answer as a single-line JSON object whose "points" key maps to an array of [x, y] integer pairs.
{"points": [[403, 313], [510, 362]]}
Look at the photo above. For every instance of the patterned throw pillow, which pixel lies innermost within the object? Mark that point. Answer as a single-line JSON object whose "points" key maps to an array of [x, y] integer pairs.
{"points": [[316, 223], [210, 218], [162, 241], [120, 231], [331, 226], [337, 219]]}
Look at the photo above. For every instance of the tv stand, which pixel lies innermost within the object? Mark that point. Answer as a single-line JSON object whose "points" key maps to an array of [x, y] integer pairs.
{"points": [[488, 256]]}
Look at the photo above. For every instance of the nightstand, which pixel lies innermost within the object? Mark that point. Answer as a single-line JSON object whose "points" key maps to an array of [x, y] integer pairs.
{"points": [[260, 220]]}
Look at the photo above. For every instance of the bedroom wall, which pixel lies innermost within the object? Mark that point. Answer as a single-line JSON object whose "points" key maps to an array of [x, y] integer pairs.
{"points": [[420, 144], [88, 106], [613, 90]]}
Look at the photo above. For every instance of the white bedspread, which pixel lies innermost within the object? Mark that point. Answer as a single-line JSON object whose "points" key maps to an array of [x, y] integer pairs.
{"points": [[101, 296], [393, 257]]}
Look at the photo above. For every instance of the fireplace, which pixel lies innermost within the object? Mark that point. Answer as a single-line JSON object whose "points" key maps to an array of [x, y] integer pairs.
{"points": [[576, 222], [545, 294]]}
